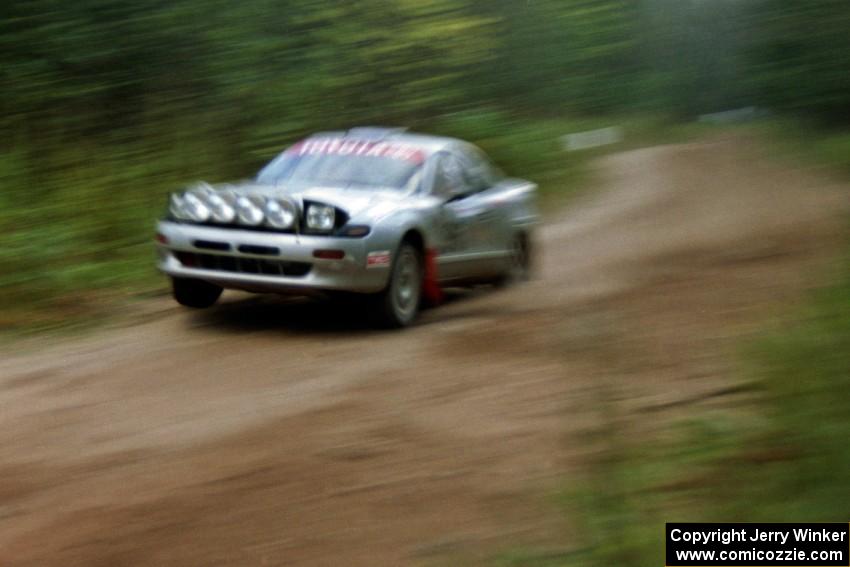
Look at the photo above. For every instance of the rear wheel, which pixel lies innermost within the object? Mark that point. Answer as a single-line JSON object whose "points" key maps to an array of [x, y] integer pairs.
{"points": [[195, 293], [519, 261], [398, 304]]}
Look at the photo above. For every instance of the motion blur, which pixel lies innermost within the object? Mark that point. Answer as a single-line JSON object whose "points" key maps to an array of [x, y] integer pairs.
{"points": [[680, 352]]}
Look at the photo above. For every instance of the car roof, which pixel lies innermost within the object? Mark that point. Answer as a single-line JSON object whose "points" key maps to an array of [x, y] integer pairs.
{"points": [[428, 143]]}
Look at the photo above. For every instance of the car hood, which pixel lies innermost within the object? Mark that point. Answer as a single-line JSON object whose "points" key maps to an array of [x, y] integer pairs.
{"points": [[355, 201]]}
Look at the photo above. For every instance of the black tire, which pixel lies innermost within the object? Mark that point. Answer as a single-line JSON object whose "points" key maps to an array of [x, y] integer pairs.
{"points": [[197, 294], [519, 266], [398, 305]]}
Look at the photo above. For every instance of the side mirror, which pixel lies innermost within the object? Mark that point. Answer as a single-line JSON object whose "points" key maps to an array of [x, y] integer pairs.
{"points": [[455, 193]]}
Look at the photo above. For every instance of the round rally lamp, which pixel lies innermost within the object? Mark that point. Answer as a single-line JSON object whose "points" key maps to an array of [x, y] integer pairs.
{"points": [[221, 207], [248, 211], [195, 206], [320, 217], [280, 213], [177, 207]]}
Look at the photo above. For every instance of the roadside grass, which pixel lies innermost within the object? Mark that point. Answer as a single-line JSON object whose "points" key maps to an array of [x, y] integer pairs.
{"points": [[784, 460], [801, 140], [77, 218], [787, 464]]}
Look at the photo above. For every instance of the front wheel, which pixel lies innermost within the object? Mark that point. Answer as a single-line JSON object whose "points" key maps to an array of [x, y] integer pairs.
{"points": [[193, 293], [398, 304]]}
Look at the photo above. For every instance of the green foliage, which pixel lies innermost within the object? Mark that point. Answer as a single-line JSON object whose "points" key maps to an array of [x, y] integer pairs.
{"points": [[799, 57], [807, 373]]}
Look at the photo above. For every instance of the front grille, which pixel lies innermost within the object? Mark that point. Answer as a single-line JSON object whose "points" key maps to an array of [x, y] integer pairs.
{"points": [[243, 265]]}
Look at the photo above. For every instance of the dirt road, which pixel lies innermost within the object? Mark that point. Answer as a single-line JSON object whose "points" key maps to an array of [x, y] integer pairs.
{"points": [[267, 432]]}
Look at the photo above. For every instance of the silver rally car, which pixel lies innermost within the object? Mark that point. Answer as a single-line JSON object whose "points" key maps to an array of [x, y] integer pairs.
{"points": [[391, 215]]}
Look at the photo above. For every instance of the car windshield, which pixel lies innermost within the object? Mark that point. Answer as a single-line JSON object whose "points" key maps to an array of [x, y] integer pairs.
{"points": [[343, 162]]}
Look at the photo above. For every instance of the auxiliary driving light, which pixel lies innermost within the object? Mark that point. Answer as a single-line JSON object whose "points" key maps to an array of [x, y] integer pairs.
{"points": [[280, 213], [249, 211], [221, 207], [195, 207], [177, 206]]}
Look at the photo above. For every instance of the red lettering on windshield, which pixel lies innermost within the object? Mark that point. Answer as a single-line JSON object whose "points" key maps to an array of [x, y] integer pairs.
{"points": [[348, 147]]}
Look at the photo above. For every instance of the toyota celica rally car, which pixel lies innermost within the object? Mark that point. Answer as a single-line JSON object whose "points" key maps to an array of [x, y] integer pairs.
{"points": [[384, 213]]}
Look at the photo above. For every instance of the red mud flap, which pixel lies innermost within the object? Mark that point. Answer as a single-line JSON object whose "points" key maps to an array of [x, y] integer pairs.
{"points": [[430, 286]]}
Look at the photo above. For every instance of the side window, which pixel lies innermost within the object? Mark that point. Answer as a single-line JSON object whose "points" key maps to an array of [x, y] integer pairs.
{"points": [[479, 173], [448, 177]]}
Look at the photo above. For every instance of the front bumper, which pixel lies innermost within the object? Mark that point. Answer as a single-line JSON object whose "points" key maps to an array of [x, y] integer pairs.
{"points": [[266, 261]]}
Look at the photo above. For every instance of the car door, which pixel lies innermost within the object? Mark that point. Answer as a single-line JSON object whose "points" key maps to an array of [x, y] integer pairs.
{"points": [[484, 180], [463, 218]]}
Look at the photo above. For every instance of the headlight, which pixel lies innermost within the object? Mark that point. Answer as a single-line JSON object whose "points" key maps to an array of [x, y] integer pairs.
{"points": [[280, 213], [195, 207], [249, 211], [221, 207], [320, 217]]}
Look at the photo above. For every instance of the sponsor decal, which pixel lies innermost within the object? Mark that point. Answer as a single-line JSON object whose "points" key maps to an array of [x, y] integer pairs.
{"points": [[349, 147], [378, 259]]}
